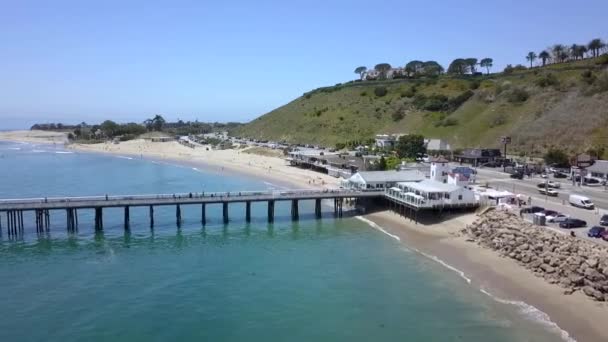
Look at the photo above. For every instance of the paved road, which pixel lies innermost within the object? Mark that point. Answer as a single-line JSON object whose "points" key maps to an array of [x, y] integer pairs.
{"points": [[528, 187]]}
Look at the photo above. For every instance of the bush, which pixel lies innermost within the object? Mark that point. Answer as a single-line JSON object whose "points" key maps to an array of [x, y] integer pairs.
{"points": [[498, 120], [380, 91], [508, 69], [307, 96], [363, 93], [588, 77], [398, 115], [546, 80], [455, 102], [340, 146], [602, 82], [517, 95], [435, 102], [602, 60], [446, 122], [474, 84], [410, 92]]}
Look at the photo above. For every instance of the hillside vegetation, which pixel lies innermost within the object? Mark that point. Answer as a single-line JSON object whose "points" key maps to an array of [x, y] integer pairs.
{"points": [[560, 105]]}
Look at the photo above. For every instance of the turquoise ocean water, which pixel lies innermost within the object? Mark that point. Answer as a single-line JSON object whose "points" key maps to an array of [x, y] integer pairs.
{"points": [[327, 280]]}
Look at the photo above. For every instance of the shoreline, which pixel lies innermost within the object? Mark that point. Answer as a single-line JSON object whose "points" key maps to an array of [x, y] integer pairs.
{"points": [[502, 279]]}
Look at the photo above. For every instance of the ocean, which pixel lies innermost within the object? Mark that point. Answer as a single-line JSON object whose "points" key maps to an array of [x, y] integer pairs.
{"points": [[323, 280]]}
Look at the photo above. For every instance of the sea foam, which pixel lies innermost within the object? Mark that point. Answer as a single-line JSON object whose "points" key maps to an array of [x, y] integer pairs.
{"points": [[527, 310]]}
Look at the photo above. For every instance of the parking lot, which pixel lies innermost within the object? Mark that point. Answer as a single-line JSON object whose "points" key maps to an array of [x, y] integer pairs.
{"points": [[528, 188]]}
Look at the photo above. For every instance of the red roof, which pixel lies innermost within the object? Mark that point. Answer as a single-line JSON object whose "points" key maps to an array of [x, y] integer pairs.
{"points": [[439, 159]]}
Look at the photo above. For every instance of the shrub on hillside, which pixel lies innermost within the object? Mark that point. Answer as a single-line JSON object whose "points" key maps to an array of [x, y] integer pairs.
{"points": [[517, 95], [474, 84], [588, 77], [398, 115], [380, 91], [546, 80], [363, 93], [498, 120], [409, 92], [602, 60], [435, 102], [455, 102]]}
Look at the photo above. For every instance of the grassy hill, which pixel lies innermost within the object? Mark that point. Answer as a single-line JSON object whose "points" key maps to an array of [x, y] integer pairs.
{"points": [[563, 105]]}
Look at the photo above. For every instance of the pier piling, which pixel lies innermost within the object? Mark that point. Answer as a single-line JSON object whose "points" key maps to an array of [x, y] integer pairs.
{"points": [[318, 208], [127, 217], [178, 215], [271, 211], [151, 216], [294, 210], [203, 214], [248, 211], [225, 212]]}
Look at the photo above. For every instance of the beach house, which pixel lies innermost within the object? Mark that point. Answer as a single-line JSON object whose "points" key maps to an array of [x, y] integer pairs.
{"points": [[380, 180]]}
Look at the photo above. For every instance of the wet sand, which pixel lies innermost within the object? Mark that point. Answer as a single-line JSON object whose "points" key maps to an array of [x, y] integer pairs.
{"points": [[503, 278]]}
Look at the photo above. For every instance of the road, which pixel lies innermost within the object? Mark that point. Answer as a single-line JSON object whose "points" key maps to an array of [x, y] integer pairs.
{"points": [[528, 188]]}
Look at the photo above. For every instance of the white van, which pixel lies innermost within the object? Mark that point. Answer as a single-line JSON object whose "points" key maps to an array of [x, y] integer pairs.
{"points": [[581, 201]]}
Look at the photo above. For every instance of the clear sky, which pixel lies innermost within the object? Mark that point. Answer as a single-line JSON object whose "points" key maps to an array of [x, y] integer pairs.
{"points": [[73, 61]]}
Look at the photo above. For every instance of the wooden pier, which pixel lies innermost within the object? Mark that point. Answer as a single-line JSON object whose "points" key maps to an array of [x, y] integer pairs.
{"points": [[14, 209]]}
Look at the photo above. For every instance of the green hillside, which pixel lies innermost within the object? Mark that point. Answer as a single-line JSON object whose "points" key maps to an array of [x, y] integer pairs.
{"points": [[564, 105]]}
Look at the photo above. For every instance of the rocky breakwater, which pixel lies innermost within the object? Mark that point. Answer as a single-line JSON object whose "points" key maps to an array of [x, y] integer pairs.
{"points": [[574, 264]]}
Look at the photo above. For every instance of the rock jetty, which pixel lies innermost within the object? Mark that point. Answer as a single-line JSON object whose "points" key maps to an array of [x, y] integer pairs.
{"points": [[572, 263]]}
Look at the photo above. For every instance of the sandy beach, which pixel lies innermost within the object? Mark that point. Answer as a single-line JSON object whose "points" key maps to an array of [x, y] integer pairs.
{"points": [[42, 137], [502, 278]]}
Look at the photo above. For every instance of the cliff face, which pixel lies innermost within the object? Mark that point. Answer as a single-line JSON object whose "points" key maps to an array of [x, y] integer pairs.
{"points": [[574, 264], [563, 105]]}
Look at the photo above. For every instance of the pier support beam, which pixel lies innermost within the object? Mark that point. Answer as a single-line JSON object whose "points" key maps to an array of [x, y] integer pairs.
{"points": [[225, 212], [127, 217], [98, 218], [248, 211], [203, 214], [271, 211], [318, 212], [151, 216], [295, 215], [178, 215]]}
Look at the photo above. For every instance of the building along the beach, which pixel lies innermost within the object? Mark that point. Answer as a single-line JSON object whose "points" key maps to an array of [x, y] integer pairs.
{"points": [[478, 156], [380, 180], [444, 189]]}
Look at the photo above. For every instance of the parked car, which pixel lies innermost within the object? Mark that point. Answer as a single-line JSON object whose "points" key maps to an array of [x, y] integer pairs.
{"points": [[560, 175], [604, 220], [549, 212], [581, 202], [572, 223], [549, 184], [590, 181], [596, 232], [557, 218], [605, 235], [517, 175], [531, 210]]}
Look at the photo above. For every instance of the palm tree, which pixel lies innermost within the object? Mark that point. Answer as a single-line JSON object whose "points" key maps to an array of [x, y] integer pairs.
{"points": [[559, 52], [544, 56], [486, 63], [361, 71], [595, 46], [531, 57]]}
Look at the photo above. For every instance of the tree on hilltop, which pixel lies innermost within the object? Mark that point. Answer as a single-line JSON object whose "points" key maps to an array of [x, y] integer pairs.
{"points": [[156, 123], [486, 63], [595, 46], [471, 63], [560, 52], [531, 57], [458, 66], [383, 69], [544, 56], [361, 71], [432, 68], [413, 68]]}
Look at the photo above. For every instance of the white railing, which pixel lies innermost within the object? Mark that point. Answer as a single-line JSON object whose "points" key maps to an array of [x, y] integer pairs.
{"points": [[180, 196]]}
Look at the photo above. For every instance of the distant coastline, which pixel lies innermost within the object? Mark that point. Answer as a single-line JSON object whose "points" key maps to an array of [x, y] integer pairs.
{"points": [[500, 277]]}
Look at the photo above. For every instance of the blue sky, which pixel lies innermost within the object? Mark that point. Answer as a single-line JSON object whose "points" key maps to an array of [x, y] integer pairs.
{"points": [[73, 61]]}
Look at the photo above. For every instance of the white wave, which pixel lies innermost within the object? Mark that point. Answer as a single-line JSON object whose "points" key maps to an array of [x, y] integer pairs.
{"points": [[38, 151], [527, 310], [275, 186], [195, 169], [533, 313], [14, 148], [124, 157], [64, 152], [377, 227]]}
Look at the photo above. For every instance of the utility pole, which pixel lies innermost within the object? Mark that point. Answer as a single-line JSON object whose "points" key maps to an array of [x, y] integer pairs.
{"points": [[505, 140]]}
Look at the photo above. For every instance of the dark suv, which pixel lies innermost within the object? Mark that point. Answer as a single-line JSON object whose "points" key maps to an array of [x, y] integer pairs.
{"points": [[572, 223], [604, 220]]}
